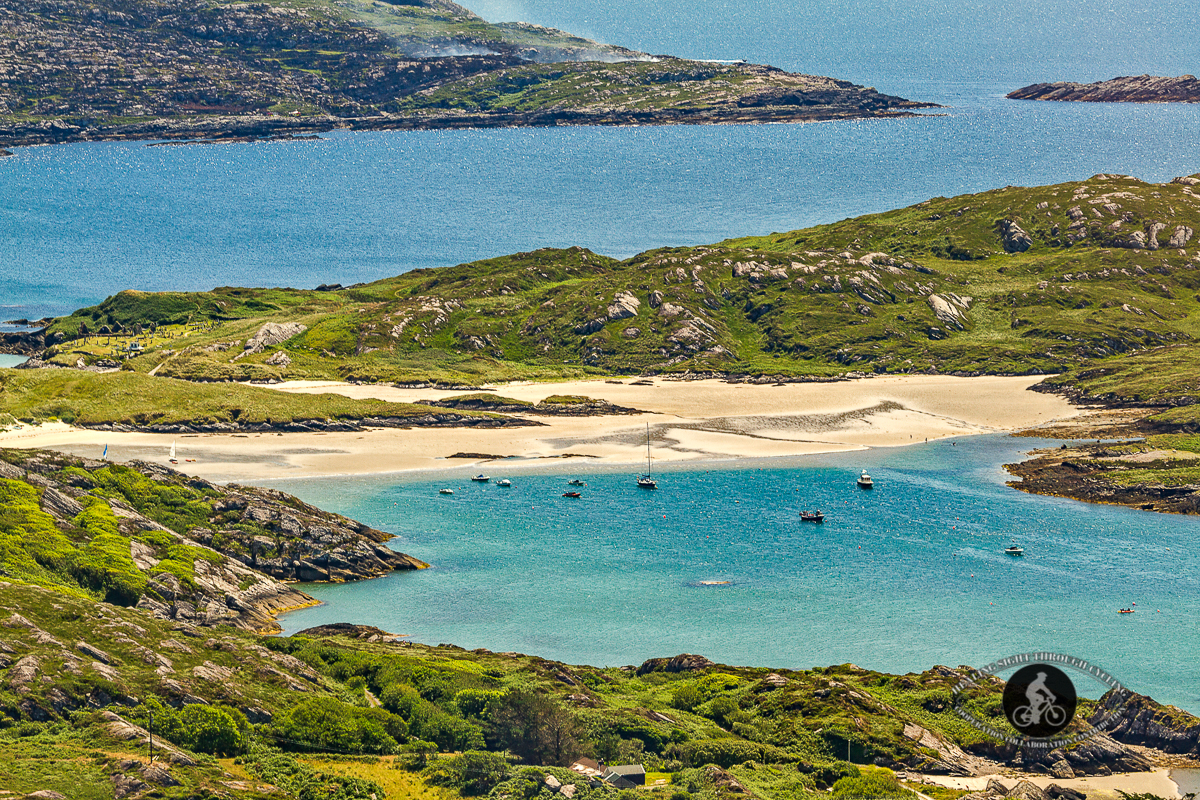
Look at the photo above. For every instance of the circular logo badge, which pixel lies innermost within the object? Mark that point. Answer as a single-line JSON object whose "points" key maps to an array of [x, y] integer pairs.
{"points": [[1039, 700]]}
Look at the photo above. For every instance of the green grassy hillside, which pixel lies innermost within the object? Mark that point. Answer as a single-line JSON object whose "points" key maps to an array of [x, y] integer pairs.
{"points": [[79, 681], [1096, 279], [132, 400]]}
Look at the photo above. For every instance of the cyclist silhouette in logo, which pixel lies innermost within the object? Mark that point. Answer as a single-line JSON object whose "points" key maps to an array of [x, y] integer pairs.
{"points": [[1041, 701]]}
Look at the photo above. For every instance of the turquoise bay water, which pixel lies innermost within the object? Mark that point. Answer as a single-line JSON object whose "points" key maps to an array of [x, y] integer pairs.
{"points": [[901, 578]]}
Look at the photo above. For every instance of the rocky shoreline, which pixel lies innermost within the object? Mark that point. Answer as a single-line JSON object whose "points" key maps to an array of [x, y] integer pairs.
{"points": [[256, 128], [1129, 89], [1087, 473], [585, 407], [322, 425], [255, 543]]}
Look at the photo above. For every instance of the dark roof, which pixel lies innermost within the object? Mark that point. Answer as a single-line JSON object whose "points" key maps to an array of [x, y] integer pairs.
{"points": [[628, 769]]}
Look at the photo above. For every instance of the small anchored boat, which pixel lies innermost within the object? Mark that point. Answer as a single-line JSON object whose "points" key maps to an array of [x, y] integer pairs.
{"points": [[445, 491], [1014, 551], [571, 494], [647, 481], [864, 481], [481, 478], [576, 482], [812, 516], [172, 457], [1126, 611], [504, 482]]}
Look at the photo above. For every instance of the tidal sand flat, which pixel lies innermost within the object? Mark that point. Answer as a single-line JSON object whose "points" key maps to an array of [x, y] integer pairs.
{"points": [[689, 421]]}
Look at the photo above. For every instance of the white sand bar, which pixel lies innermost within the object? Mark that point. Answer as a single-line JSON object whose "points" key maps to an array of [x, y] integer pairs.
{"points": [[689, 421]]}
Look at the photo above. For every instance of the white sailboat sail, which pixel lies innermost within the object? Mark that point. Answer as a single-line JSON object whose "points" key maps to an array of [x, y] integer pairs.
{"points": [[647, 481], [172, 451]]}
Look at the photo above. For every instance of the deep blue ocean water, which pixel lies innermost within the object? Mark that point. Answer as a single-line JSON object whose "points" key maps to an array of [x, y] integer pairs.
{"points": [[615, 577], [908, 575], [81, 222]]}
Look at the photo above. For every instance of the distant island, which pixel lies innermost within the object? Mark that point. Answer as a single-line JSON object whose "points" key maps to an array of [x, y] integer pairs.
{"points": [[218, 71], [1132, 89]]}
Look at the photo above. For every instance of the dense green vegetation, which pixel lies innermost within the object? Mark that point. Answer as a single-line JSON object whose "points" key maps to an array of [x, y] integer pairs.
{"points": [[501, 722], [1091, 279]]}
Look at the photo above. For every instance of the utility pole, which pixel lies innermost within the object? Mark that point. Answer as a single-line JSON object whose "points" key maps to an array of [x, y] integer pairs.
{"points": [[151, 732]]}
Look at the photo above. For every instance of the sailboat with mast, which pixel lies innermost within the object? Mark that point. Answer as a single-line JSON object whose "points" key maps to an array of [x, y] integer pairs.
{"points": [[646, 481], [172, 458]]}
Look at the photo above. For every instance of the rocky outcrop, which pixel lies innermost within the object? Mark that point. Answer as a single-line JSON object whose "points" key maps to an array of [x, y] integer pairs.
{"points": [[950, 309], [1015, 239], [623, 306], [256, 541], [684, 662], [272, 334], [1181, 236], [367, 633], [23, 343], [1136, 89], [586, 407], [1141, 721]]}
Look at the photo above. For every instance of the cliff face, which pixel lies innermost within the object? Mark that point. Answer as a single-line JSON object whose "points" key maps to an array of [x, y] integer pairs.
{"points": [[1136, 89]]}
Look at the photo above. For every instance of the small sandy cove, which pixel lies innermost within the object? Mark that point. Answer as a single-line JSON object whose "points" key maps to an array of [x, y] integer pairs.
{"points": [[688, 420]]}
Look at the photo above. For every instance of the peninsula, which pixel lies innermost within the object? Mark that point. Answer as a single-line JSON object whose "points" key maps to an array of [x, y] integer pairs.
{"points": [[214, 70], [1131, 89]]}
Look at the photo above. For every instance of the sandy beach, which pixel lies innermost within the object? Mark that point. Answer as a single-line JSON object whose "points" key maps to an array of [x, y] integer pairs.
{"points": [[688, 420]]}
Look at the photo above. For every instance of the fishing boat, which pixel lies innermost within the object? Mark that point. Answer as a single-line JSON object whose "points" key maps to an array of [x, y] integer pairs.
{"points": [[571, 494], [504, 482], [576, 482], [445, 491], [1014, 551], [812, 516], [172, 457], [481, 478], [646, 481], [864, 481]]}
